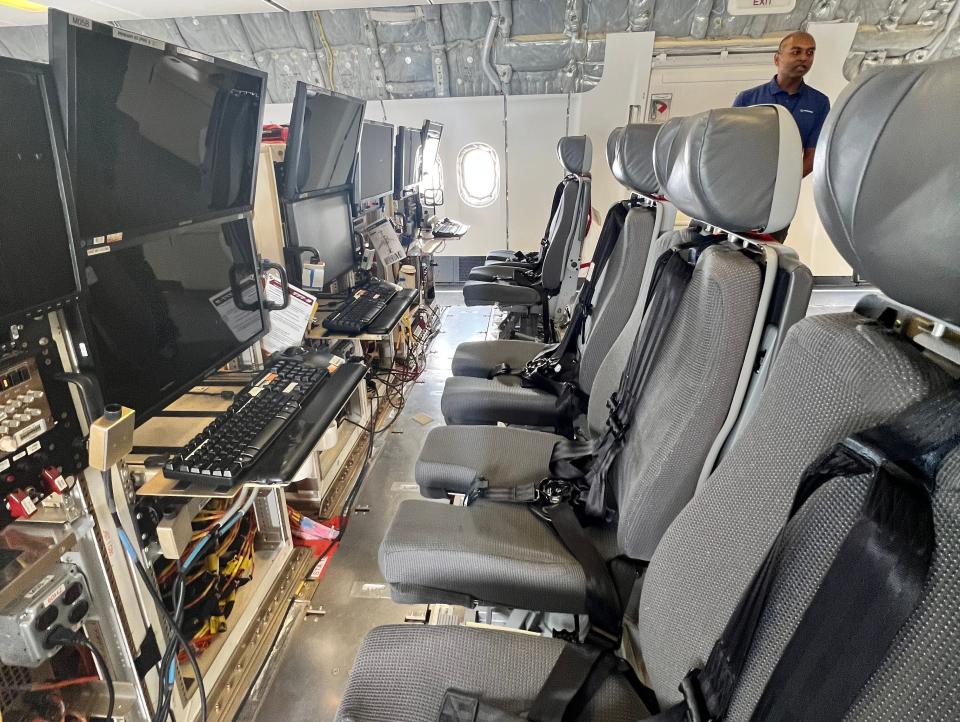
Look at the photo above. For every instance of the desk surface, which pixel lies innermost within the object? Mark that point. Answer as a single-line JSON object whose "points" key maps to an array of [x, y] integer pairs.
{"points": [[189, 414]]}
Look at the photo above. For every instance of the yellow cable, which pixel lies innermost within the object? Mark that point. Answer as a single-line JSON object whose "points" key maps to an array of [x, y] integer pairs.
{"points": [[326, 47]]}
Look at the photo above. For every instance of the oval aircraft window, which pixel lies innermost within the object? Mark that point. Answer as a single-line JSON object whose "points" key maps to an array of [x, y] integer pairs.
{"points": [[478, 175]]}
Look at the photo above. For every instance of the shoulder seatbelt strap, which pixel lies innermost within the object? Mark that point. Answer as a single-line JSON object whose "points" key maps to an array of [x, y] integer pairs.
{"points": [[871, 588], [554, 205]]}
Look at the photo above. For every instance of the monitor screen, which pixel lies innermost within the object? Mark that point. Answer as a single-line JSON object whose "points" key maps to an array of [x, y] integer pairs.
{"points": [[165, 312], [36, 256], [326, 224], [408, 160], [158, 136], [322, 142], [376, 161], [432, 130]]}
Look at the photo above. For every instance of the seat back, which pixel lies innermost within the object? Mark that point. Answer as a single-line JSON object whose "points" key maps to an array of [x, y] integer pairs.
{"points": [[883, 175], [619, 287], [568, 226], [712, 342]]}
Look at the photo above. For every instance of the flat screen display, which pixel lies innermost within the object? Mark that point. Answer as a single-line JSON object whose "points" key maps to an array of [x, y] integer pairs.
{"points": [[165, 312], [323, 139], [157, 136], [408, 160], [431, 133], [326, 224], [36, 260], [376, 161]]}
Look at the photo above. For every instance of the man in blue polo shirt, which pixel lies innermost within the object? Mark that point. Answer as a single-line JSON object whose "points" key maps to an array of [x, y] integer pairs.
{"points": [[809, 106]]}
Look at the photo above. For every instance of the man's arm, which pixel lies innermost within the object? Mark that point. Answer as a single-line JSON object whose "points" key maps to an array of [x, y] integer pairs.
{"points": [[808, 161]]}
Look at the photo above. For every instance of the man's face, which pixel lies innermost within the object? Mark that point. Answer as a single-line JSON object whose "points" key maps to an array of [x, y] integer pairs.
{"points": [[795, 58]]}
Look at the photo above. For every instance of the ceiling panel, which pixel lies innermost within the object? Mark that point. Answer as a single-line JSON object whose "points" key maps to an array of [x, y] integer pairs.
{"points": [[106, 10], [9, 16]]}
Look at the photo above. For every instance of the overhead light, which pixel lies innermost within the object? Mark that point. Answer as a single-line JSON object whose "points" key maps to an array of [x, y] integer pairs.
{"points": [[25, 5]]}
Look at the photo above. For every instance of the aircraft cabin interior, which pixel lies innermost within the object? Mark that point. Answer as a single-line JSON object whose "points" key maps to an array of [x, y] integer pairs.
{"points": [[545, 360]]}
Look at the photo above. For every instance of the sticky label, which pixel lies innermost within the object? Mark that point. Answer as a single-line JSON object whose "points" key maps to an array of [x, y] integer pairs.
{"points": [[120, 34], [28, 505], [38, 587], [34, 447], [98, 250], [291, 387], [4, 465], [80, 22], [54, 595]]}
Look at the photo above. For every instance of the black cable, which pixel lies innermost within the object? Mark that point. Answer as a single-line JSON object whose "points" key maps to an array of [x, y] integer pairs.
{"points": [[108, 680], [60, 635]]}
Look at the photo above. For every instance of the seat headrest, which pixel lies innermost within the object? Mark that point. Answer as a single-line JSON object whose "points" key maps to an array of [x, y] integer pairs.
{"points": [[576, 154], [613, 143], [636, 158], [661, 149], [885, 181], [736, 168]]}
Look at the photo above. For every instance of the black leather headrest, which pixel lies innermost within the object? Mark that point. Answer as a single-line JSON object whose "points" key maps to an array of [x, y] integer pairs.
{"points": [[576, 154], [736, 168], [636, 158], [887, 182], [661, 149]]}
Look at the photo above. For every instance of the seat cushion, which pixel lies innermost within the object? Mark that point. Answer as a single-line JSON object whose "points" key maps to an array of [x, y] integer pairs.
{"points": [[468, 400], [402, 672], [479, 358], [494, 271], [488, 293], [493, 553], [453, 457]]}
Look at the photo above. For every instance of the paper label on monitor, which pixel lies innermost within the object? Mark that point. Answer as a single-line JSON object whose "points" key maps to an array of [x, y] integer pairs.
{"points": [[288, 326], [242, 324], [98, 250], [120, 34], [80, 22]]}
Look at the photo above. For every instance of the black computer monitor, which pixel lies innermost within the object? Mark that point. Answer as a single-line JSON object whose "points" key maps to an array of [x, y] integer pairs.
{"points": [[158, 136], [375, 172], [322, 141], [37, 266], [431, 133], [408, 161], [163, 311], [323, 223]]}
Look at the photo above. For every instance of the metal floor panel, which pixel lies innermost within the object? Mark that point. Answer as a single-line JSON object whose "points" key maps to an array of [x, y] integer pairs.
{"points": [[318, 654]]}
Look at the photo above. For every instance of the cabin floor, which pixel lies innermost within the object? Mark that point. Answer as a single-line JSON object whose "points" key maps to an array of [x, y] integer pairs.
{"points": [[306, 674]]}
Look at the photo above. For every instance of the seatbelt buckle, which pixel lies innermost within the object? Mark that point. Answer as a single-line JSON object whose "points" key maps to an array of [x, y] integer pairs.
{"points": [[554, 491], [693, 697]]}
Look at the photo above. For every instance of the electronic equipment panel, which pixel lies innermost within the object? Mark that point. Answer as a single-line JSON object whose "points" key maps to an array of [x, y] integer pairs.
{"points": [[165, 311], [375, 172], [35, 227], [322, 141], [408, 161], [158, 136], [324, 224], [431, 134]]}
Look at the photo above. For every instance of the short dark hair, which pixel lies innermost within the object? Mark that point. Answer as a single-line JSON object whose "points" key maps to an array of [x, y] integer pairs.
{"points": [[794, 34]]}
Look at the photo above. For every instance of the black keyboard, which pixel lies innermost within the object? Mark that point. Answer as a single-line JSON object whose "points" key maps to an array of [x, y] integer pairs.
{"points": [[231, 444], [362, 309], [450, 229]]}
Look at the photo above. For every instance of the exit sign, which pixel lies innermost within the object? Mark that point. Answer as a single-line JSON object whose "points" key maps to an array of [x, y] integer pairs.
{"points": [[760, 7]]}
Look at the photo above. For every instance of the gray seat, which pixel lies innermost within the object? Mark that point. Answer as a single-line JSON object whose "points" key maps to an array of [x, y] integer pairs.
{"points": [[687, 400], [481, 358], [482, 400], [499, 285], [836, 374]]}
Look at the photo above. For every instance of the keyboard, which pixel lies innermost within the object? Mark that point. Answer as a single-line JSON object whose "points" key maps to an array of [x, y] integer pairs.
{"points": [[361, 310], [450, 229], [231, 444]]}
